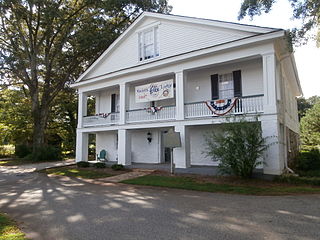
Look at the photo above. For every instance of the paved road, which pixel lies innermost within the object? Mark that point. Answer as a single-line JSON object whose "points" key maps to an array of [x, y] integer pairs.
{"points": [[54, 208]]}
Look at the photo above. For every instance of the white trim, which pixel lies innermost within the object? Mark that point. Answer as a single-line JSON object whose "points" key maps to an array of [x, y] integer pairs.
{"points": [[182, 57], [211, 22], [146, 27], [214, 23]]}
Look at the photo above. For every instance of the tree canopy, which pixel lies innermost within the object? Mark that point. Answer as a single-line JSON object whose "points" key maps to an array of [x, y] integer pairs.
{"points": [[46, 44], [310, 127], [306, 10]]}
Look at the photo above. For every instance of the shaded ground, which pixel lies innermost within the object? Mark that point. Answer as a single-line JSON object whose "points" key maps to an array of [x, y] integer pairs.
{"points": [[64, 208]]}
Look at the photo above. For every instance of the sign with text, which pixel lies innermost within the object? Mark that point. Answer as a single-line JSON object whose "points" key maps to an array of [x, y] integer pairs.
{"points": [[154, 91], [171, 139]]}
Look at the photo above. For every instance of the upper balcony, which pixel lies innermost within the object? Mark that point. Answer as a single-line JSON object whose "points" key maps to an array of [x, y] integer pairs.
{"points": [[191, 94], [243, 105]]}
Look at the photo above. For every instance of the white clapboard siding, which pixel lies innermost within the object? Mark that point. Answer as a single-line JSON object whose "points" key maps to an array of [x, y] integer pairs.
{"points": [[174, 38]]}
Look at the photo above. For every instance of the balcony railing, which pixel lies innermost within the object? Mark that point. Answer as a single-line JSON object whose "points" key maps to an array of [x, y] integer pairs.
{"points": [[101, 120], [148, 114], [244, 105]]}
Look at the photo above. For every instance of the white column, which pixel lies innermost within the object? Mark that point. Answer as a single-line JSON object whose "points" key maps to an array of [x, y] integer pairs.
{"points": [[82, 147], [269, 83], [273, 156], [181, 155], [124, 98], [124, 147], [180, 95], [82, 108], [97, 103]]}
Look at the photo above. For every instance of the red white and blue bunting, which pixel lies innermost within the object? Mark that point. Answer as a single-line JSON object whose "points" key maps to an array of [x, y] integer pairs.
{"points": [[104, 115], [222, 106], [154, 109]]}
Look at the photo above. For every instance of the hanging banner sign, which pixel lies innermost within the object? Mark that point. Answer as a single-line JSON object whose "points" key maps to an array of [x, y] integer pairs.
{"points": [[154, 91]]}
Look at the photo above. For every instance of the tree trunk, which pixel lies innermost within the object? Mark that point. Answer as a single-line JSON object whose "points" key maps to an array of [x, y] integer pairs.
{"points": [[40, 116]]}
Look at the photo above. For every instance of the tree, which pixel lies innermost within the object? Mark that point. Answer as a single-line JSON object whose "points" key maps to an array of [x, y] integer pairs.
{"points": [[310, 127], [306, 10], [239, 147], [46, 44], [305, 104], [15, 117]]}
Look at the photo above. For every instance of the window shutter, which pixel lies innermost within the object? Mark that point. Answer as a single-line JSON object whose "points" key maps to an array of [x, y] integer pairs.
{"points": [[113, 102], [237, 83], [214, 87]]}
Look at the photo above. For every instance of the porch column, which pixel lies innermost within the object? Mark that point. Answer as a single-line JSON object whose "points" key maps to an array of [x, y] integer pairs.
{"points": [[124, 147], [124, 97], [82, 108], [82, 147], [180, 95], [273, 156], [181, 155], [269, 83], [97, 96]]}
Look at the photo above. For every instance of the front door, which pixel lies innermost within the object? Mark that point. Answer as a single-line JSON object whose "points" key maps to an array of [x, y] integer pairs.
{"points": [[166, 152]]}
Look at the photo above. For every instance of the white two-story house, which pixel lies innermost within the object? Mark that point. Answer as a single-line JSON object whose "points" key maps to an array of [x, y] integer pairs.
{"points": [[188, 74]]}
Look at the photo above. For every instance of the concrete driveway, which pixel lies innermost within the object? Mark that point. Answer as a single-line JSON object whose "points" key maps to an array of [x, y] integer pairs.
{"points": [[55, 208]]}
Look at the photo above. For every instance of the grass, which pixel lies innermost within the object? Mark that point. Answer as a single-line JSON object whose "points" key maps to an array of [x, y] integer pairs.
{"points": [[14, 162], [9, 229], [190, 183], [77, 172], [20, 161]]}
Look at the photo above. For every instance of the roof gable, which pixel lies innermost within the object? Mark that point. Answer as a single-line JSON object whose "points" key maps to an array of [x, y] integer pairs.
{"points": [[177, 35]]}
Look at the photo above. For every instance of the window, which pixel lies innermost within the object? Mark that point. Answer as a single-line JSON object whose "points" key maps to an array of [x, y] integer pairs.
{"points": [[148, 44], [225, 86], [226, 89]]}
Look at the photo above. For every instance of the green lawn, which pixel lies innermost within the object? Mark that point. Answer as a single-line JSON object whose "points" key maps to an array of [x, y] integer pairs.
{"points": [[190, 183], [20, 161], [77, 172], [14, 162], [9, 229]]}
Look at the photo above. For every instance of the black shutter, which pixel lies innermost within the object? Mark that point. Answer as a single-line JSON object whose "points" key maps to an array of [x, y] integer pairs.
{"points": [[237, 83], [214, 87], [113, 103], [152, 104]]}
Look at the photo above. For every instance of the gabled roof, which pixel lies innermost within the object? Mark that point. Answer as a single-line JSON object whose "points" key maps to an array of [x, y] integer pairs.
{"points": [[256, 30]]}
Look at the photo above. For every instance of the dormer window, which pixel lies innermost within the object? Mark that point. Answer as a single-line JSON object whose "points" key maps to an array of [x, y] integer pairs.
{"points": [[148, 44]]}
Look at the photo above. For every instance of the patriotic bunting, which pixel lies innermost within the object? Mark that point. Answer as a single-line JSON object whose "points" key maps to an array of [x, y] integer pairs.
{"points": [[222, 106]]}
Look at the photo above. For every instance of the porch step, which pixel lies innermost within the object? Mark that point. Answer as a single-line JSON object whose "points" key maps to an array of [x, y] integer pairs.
{"points": [[134, 174]]}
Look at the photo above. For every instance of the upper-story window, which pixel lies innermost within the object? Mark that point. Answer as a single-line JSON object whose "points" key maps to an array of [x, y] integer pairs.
{"points": [[225, 86], [148, 43]]}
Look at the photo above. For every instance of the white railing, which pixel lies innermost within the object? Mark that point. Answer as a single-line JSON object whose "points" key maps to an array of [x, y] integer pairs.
{"points": [[100, 120], [244, 105], [138, 115]]}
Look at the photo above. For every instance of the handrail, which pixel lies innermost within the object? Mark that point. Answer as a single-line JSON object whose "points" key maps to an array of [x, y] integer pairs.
{"points": [[251, 96], [140, 109]]}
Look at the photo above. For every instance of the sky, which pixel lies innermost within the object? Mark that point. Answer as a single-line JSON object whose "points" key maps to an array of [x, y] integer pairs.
{"points": [[307, 56]]}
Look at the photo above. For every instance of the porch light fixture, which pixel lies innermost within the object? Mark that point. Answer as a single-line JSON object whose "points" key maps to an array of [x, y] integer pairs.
{"points": [[149, 137]]}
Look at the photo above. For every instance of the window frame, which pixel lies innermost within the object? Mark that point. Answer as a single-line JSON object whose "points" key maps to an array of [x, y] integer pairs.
{"points": [[142, 46]]}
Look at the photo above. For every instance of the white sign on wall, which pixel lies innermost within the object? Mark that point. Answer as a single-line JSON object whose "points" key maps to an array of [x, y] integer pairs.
{"points": [[154, 91]]}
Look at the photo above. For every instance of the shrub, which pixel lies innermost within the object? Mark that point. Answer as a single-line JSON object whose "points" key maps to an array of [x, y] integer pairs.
{"points": [[22, 150], [117, 167], [239, 147], [45, 153], [99, 165], [308, 160], [83, 164]]}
